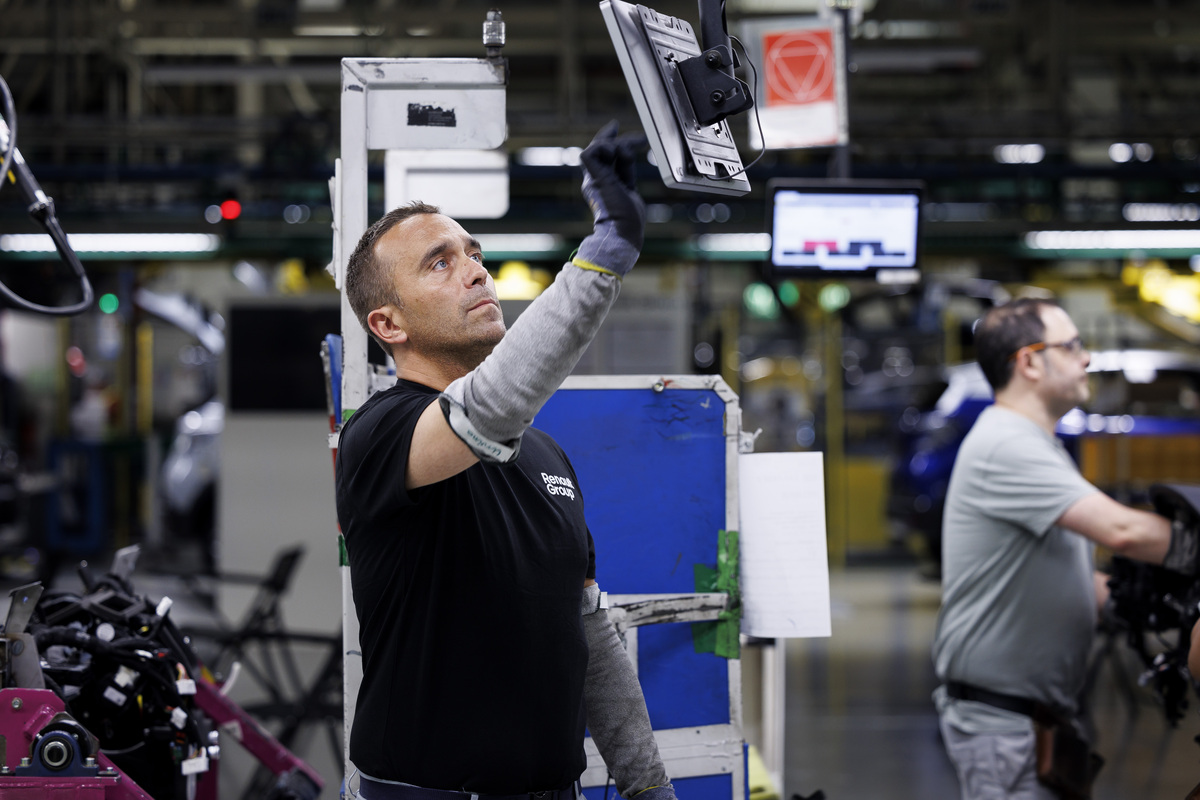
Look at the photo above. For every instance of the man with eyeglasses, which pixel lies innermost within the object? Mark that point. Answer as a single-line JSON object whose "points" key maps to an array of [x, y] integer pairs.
{"points": [[1020, 594]]}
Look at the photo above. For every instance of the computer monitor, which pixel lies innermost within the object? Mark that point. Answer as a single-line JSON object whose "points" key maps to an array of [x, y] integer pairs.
{"points": [[844, 228], [689, 155]]}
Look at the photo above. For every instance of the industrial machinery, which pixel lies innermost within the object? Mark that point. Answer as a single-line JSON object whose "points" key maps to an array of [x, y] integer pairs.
{"points": [[1155, 609], [103, 698]]}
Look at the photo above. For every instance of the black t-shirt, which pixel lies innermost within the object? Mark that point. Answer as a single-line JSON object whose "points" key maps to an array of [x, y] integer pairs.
{"points": [[468, 594]]}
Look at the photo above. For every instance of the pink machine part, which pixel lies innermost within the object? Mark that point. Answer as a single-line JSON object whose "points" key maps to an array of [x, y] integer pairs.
{"points": [[230, 718], [61, 764], [47, 755]]}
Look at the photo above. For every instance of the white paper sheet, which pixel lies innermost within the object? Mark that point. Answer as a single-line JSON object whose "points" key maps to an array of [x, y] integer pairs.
{"points": [[784, 561]]}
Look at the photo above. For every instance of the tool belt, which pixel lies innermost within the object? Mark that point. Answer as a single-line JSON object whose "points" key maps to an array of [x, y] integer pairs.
{"points": [[373, 789], [1065, 760]]}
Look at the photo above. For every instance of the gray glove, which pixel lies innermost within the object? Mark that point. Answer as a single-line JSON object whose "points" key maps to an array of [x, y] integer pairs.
{"points": [[1180, 503], [1184, 548], [619, 213]]}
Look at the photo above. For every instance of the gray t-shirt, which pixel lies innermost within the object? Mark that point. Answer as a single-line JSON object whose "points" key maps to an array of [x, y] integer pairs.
{"points": [[1018, 600]]}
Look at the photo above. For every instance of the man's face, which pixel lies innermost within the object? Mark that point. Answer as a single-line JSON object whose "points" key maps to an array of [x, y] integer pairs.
{"points": [[449, 301], [1065, 381]]}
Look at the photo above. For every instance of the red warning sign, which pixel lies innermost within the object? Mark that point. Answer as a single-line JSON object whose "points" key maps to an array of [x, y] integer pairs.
{"points": [[800, 67]]}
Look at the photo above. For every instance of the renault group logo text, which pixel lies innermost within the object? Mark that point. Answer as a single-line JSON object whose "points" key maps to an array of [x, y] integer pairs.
{"points": [[556, 484]]}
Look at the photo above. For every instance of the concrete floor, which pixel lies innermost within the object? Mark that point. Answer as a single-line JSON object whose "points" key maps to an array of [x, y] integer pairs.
{"points": [[859, 719], [860, 722]]}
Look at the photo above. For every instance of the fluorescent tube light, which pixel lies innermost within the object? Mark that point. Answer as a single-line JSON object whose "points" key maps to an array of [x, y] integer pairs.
{"points": [[1175, 239], [734, 242], [519, 242], [328, 30], [114, 242]]}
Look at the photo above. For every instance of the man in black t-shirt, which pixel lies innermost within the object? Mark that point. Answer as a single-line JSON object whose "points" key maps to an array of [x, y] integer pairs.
{"points": [[485, 652]]}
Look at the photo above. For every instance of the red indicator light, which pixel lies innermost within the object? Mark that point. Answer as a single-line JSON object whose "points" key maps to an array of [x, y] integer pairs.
{"points": [[231, 209], [76, 362]]}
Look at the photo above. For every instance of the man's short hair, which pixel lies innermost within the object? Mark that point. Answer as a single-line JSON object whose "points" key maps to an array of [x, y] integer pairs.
{"points": [[369, 281], [1003, 331]]}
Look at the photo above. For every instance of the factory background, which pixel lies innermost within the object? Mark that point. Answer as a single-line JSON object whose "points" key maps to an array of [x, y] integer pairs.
{"points": [[187, 411]]}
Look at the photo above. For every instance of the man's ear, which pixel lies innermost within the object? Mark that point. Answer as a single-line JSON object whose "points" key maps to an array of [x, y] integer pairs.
{"points": [[1027, 364], [387, 324]]}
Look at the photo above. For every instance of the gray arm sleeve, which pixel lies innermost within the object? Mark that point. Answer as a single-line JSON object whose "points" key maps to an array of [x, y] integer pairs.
{"points": [[616, 711], [492, 405]]}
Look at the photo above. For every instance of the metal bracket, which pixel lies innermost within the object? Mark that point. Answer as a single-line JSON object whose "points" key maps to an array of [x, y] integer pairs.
{"points": [[715, 93], [631, 611], [22, 601]]}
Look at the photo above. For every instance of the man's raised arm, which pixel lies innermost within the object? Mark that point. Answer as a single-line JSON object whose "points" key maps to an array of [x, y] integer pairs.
{"points": [[489, 408]]}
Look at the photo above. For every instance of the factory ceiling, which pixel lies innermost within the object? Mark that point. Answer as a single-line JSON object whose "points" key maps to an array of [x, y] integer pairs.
{"points": [[145, 112]]}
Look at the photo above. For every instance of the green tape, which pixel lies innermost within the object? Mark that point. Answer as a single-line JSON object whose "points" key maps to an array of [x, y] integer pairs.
{"points": [[343, 556], [704, 634], [722, 636], [347, 413]]}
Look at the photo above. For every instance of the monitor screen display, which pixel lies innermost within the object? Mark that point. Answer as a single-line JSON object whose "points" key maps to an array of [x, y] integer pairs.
{"points": [[843, 228]]}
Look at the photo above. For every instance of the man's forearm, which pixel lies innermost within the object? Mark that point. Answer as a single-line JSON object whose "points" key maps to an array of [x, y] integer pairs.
{"points": [[1126, 531], [616, 711], [501, 396], [1143, 536]]}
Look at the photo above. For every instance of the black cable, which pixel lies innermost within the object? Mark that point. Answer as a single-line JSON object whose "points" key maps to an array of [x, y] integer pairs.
{"points": [[53, 686], [41, 209], [122, 651], [757, 119], [125, 652], [50, 223], [10, 119]]}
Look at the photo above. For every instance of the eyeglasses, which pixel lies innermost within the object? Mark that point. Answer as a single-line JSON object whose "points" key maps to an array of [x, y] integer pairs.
{"points": [[1071, 346]]}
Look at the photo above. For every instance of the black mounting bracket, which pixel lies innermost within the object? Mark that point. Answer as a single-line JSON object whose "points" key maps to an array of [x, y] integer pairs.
{"points": [[708, 78]]}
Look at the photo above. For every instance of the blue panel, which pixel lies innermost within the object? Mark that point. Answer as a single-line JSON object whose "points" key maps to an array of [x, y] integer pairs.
{"points": [[651, 468], [707, 787], [334, 377], [682, 687]]}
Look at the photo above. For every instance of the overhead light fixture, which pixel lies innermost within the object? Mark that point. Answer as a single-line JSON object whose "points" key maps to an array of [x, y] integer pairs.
{"points": [[1019, 153], [1120, 152], [1161, 212], [493, 243], [114, 242], [1149, 240], [328, 30], [734, 242], [549, 156], [909, 29], [898, 277], [296, 213]]}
